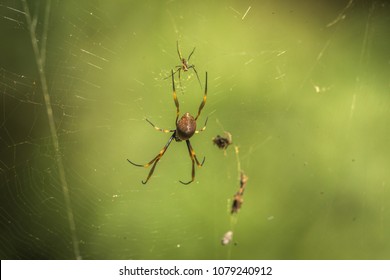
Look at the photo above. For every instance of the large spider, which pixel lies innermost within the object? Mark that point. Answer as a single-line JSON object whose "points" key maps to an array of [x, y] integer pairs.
{"points": [[185, 128], [184, 65]]}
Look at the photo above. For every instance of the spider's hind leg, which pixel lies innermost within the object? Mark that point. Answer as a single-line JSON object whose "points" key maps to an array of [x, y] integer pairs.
{"points": [[155, 160], [193, 159]]}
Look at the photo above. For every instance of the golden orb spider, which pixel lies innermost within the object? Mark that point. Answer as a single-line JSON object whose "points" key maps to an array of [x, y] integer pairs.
{"points": [[185, 128]]}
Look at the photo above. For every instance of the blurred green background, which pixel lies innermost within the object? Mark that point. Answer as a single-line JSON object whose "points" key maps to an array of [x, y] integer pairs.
{"points": [[302, 87]]}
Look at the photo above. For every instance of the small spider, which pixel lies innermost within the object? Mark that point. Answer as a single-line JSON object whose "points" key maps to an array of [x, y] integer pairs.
{"points": [[185, 66], [185, 128], [223, 142]]}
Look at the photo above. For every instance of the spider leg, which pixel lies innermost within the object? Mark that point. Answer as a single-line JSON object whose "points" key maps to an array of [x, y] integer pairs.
{"points": [[175, 98], [196, 72], [188, 60], [155, 160], [178, 68], [204, 127], [204, 99], [178, 50], [181, 87], [193, 159], [160, 129]]}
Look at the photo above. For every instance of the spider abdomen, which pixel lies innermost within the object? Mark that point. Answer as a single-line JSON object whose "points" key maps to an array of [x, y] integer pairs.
{"points": [[186, 127]]}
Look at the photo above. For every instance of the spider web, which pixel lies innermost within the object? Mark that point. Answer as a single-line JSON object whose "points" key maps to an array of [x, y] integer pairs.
{"points": [[301, 88]]}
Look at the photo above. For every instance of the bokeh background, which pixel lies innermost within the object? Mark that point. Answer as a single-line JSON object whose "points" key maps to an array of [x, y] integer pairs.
{"points": [[302, 86]]}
